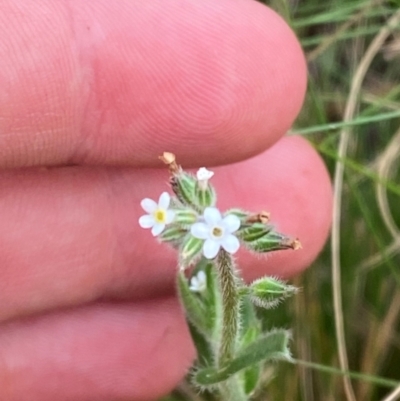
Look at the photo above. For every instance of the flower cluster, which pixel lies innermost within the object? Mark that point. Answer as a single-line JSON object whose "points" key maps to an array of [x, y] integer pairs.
{"points": [[211, 227], [190, 221], [219, 305]]}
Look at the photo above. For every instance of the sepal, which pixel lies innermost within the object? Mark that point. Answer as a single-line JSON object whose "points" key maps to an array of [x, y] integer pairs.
{"points": [[242, 214], [250, 233], [190, 251], [204, 197], [172, 234], [185, 217], [183, 186], [192, 192], [273, 241]]}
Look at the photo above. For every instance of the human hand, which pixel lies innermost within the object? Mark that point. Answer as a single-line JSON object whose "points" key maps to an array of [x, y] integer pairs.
{"points": [[92, 93]]}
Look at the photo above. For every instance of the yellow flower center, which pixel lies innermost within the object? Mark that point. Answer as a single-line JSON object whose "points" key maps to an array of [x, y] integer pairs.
{"points": [[217, 232], [160, 216]]}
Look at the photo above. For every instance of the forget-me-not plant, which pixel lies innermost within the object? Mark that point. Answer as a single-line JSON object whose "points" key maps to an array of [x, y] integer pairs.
{"points": [[219, 305]]}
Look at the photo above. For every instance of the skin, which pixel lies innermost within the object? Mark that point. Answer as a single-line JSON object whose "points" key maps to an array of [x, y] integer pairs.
{"points": [[91, 94]]}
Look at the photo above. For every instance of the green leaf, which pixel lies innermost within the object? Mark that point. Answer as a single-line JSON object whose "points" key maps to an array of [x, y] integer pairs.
{"points": [[250, 325], [251, 377], [195, 311], [205, 355], [271, 346]]}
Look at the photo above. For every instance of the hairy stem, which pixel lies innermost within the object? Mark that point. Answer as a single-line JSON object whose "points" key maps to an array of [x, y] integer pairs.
{"points": [[230, 307], [230, 389]]}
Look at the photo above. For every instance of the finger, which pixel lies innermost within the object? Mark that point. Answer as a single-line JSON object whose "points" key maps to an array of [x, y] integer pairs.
{"points": [[89, 82], [101, 352], [71, 235], [291, 182]]}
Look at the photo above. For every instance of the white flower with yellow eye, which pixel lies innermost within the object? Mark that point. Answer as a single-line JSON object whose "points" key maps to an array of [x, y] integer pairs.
{"points": [[217, 231], [158, 214]]}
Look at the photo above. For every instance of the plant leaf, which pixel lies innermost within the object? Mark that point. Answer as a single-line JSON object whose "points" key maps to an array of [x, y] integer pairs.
{"points": [[271, 346], [195, 311]]}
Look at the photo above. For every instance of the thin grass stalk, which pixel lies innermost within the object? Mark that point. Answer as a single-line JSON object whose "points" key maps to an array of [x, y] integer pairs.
{"points": [[338, 184]]}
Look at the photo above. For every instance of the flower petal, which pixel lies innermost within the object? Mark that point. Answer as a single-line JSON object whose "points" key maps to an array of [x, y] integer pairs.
{"points": [[200, 230], [146, 221], [210, 248], [194, 284], [231, 223], [201, 281], [201, 276], [204, 174], [198, 283], [157, 229], [212, 216], [148, 205], [163, 202], [230, 243], [170, 216]]}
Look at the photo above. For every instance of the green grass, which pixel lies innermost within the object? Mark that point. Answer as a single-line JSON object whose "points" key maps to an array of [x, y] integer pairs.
{"points": [[356, 280]]}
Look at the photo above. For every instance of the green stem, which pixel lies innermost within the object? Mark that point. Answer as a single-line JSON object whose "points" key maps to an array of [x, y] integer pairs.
{"points": [[230, 389], [230, 307]]}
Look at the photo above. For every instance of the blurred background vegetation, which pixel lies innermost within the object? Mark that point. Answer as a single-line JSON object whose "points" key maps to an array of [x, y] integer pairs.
{"points": [[346, 318]]}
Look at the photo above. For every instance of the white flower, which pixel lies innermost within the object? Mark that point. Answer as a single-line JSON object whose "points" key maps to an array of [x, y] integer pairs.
{"points": [[203, 175], [216, 231], [198, 283], [158, 214]]}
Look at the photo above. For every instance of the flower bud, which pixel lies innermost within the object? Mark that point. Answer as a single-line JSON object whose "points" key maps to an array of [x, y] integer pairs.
{"points": [[204, 192], [268, 292], [172, 233], [273, 241], [183, 185], [205, 197], [185, 217], [190, 250], [198, 282], [253, 232], [242, 214]]}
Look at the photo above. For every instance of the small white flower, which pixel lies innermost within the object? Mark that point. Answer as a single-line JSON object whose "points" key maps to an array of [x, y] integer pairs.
{"points": [[217, 231], [158, 214], [198, 283], [203, 175]]}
